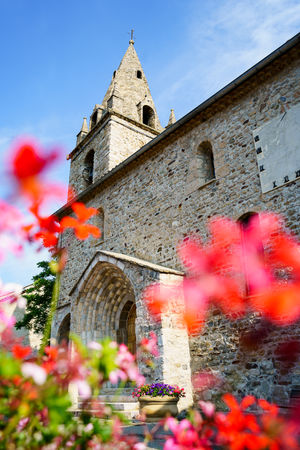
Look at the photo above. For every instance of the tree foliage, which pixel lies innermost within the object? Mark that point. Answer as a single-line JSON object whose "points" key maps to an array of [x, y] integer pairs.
{"points": [[38, 297]]}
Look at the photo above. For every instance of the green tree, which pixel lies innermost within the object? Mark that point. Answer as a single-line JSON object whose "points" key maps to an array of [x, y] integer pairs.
{"points": [[38, 297]]}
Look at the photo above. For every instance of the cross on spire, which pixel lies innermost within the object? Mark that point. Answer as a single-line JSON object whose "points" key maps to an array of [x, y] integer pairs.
{"points": [[131, 37]]}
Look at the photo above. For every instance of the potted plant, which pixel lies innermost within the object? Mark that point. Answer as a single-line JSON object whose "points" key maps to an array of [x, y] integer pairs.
{"points": [[158, 400]]}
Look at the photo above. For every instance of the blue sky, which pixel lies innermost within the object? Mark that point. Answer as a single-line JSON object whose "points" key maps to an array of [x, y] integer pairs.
{"points": [[58, 58]]}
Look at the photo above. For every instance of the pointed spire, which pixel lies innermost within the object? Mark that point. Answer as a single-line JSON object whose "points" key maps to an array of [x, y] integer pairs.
{"points": [[83, 132], [84, 127], [171, 118], [128, 92]]}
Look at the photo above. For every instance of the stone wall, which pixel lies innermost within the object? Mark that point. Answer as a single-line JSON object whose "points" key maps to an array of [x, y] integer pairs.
{"points": [[248, 357], [157, 199]]}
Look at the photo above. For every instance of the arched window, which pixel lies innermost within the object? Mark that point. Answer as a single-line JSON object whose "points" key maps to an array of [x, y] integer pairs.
{"points": [[148, 116], [206, 162], [88, 170], [114, 74], [138, 74], [247, 221], [94, 119], [100, 222]]}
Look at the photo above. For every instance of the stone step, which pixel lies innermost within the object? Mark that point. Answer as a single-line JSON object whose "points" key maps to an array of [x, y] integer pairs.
{"points": [[128, 414], [108, 398], [124, 391], [123, 404], [112, 399], [119, 406]]}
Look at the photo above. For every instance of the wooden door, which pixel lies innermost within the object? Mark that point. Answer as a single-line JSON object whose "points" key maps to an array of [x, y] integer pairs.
{"points": [[131, 342]]}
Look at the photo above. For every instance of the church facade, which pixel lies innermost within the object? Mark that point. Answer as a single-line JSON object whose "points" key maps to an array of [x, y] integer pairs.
{"points": [[235, 154]]}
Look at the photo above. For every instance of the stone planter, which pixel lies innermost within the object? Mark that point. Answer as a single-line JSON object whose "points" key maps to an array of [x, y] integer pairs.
{"points": [[156, 408]]}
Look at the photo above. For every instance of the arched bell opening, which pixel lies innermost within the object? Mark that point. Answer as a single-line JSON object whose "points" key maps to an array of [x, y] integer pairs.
{"points": [[126, 330], [64, 330], [148, 116]]}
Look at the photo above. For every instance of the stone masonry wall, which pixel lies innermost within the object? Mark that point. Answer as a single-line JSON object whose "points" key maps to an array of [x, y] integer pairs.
{"points": [[155, 201], [248, 356]]}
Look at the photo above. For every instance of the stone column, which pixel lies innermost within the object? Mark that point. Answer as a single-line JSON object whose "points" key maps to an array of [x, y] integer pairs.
{"points": [[176, 353]]}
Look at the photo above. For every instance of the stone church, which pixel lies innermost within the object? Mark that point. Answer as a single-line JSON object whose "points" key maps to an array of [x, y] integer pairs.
{"points": [[235, 154]]}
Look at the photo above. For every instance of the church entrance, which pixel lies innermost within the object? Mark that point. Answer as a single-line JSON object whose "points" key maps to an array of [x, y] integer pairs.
{"points": [[126, 331], [105, 306]]}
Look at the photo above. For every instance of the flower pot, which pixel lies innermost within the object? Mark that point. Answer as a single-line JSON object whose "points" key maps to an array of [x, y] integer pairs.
{"points": [[156, 408]]}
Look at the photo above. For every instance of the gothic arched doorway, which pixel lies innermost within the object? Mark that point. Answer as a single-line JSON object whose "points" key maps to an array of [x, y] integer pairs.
{"points": [[126, 331], [105, 306]]}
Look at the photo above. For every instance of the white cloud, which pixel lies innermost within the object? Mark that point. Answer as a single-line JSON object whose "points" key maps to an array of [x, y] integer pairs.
{"points": [[228, 39]]}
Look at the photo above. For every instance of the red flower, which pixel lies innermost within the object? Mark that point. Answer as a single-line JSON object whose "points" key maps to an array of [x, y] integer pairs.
{"points": [[279, 304], [28, 160], [52, 352], [50, 361], [82, 230], [27, 163], [20, 352], [235, 271], [48, 228]]}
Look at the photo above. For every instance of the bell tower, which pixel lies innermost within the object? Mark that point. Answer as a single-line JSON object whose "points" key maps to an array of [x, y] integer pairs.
{"points": [[124, 122]]}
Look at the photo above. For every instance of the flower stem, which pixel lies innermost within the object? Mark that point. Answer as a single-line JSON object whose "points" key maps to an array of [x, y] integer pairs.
{"points": [[52, 311]]}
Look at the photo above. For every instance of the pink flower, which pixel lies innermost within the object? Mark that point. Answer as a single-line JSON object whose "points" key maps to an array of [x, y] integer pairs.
{"points": [[89, 427], [207, 407], [22, 423], [117, 375], [127, 368], [234, 271], [149, 345], [11, 293], [11, 233], [185, 436], [7, 320], [139, 446], [94, 346], [84, 388], [34, 371]]}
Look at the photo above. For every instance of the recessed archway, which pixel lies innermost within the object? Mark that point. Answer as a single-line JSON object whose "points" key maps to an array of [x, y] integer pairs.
{"points": [[103, 306], [126, 330]]}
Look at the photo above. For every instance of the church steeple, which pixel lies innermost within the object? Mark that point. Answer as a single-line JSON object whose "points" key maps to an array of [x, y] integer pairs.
{"points": [[129, 93], [124, 122]]}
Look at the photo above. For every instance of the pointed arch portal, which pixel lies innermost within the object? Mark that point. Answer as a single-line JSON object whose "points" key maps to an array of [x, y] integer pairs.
{"points": [[107, 302], [105, 306]]}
